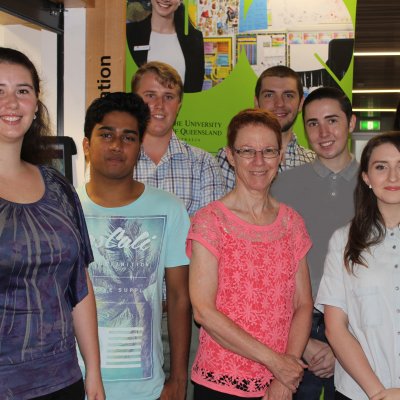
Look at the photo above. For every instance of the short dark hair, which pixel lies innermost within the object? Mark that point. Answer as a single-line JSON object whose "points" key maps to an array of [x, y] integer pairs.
{"points": [[280, 71], [253, 116], [35, 148], [330, 93], [166, 75], [130, 103]]}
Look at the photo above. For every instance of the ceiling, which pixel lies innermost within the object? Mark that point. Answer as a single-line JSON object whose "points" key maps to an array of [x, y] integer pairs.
{"points": [[377, 30]]}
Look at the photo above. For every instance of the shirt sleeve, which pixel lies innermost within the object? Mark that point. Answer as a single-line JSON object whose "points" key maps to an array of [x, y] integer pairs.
{"points": [[205, 230], [332, 288], [78, 290]]}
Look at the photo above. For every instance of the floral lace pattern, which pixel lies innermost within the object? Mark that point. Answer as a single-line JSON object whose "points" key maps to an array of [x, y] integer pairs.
{"points": [[256, 284]]}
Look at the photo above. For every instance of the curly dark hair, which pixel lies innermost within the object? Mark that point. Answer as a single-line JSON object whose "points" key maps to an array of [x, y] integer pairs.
{"points": [[130, 103], [35, 146], [367, 228]]}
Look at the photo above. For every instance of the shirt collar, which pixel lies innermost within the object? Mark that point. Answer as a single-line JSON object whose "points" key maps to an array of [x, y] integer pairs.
{"points": [[292, 144], [347, 173], [175, 148]]}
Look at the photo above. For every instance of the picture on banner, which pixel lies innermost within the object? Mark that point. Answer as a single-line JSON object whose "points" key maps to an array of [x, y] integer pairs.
{"points": [[239, 40], [218, 60], [155, 32]]}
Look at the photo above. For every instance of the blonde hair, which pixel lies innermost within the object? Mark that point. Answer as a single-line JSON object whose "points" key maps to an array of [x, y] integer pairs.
{"points": [[166, 75]]}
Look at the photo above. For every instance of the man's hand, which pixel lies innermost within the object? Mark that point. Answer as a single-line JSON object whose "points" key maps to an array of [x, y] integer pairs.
{"points": [[277, 391], [320, 358], [174, 389]]}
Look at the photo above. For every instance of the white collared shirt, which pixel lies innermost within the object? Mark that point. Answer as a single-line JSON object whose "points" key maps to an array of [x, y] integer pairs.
{"points": [[371, 299]]}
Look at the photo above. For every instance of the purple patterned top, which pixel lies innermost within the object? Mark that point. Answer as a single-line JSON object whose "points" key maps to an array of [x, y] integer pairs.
{"points": [[44, 248]]}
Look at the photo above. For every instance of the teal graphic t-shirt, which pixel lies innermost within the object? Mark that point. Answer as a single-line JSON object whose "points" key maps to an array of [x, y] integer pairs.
{"points": [[132, 246]]}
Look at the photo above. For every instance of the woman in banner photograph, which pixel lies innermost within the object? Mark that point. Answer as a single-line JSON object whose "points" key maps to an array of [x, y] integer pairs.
{"points": [[360, 288], [161, 37], [46, 298], [248, 277]]}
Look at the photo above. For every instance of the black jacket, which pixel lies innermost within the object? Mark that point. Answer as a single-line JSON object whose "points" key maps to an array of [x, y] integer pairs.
{"points": [[138, 34]]}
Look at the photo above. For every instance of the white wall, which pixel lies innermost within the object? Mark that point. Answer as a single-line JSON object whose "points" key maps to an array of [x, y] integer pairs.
{"points": [[74, 84]]}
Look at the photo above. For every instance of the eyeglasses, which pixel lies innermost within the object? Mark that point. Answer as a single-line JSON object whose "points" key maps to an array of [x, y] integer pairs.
{"points": [[268, 152]]}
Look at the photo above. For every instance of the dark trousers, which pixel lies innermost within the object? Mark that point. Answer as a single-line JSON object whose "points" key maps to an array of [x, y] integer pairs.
{"points": [[311, 386], [340, 396], [76, 391], [203, 393]]}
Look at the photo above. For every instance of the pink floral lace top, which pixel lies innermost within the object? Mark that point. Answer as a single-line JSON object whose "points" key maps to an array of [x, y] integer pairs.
{"points": [[256, 285]]}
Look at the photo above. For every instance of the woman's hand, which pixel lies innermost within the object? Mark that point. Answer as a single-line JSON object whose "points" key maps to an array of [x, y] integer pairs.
{"points": [[85, 324], [277, 391], [387, 394], [288, 370], [94, 386]]}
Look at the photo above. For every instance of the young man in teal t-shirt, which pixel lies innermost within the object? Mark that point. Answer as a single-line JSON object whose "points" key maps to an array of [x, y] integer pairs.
{"points": [[138, 235]]}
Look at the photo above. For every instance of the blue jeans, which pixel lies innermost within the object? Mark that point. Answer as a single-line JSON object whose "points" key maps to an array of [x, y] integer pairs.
{"points": [[311, 386]]}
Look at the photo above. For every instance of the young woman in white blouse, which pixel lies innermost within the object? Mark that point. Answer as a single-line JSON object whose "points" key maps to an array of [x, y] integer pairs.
{"points": [[360, 288]]}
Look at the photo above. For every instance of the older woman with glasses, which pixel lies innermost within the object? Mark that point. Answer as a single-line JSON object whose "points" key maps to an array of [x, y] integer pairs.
{"points": [[249, 281]]}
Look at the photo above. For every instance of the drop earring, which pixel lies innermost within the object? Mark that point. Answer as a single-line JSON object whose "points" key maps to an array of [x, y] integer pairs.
{"points": [[370, 186]]}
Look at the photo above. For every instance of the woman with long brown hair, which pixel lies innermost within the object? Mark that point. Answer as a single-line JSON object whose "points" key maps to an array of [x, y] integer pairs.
{"points": [[46, 298], [360, 288]]}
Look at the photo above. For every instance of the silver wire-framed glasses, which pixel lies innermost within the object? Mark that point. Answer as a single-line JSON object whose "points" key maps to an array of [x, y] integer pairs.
{"points": [[267, 152]]}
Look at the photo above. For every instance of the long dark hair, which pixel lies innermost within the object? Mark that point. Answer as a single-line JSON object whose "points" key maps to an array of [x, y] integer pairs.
{"points": [[35, 148], [367, 227]]}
